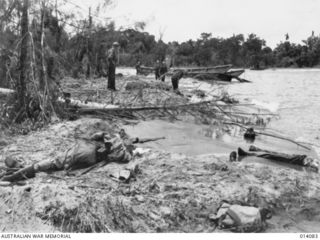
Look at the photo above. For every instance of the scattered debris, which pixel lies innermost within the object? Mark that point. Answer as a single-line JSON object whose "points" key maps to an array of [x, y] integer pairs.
{"points": [[181, 193], [240, 218], [9, 211], [249, 135]]}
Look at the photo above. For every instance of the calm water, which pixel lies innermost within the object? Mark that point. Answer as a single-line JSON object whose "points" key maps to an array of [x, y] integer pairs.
{"points": [[293, 94]]}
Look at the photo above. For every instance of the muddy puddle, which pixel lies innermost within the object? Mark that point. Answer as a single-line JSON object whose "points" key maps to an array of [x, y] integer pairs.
{"points": [[180, 137], [193, 139]]}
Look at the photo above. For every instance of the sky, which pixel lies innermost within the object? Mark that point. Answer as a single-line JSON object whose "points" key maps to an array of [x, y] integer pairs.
{"points": [[181, 20]]}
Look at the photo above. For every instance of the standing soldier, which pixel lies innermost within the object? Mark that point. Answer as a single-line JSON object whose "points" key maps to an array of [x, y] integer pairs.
{"points": [[157, 69], [163, 71], [138, 67], [112, 62], [175, 81]]}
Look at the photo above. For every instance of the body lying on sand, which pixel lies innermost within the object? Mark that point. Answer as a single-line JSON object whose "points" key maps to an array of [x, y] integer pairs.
{"points": [[101, 147], [296, 159]]}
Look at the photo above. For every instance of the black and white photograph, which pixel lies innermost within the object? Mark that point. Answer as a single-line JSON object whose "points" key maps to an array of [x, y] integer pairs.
{"points": [[159, 116]]}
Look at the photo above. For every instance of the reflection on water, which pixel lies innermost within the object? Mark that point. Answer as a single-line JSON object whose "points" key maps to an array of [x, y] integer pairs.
{"points": [[295, 92], [181, 137]]}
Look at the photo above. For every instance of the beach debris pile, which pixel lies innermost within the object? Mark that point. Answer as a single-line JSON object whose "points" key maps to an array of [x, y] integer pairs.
{"points": [[241, 218]]}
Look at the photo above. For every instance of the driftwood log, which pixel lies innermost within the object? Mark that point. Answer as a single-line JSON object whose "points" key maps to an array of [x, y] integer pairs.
{"points": [[6, 91], [168, 107]]}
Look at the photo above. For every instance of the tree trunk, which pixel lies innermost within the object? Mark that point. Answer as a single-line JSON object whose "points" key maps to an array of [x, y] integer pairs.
{"points": [[58, 34], [89, 50], [43, 76], [24, 56]]}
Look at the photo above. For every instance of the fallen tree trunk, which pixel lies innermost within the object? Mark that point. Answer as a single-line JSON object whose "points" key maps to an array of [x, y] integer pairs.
{"points": [[6, 91], [89, 105], [88, 109]]}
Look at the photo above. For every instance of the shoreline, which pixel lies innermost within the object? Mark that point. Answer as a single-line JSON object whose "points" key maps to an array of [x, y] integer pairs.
{"points": [[167, 185], [247, 69], [171, 192]]}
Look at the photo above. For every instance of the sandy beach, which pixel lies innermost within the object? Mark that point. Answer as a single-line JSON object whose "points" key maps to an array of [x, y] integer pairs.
{"points": [[178, 183]]}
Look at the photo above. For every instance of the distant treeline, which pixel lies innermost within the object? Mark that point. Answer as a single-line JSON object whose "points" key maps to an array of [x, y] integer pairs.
{"points": [[247, 52], [84, 51], [238, 50]]}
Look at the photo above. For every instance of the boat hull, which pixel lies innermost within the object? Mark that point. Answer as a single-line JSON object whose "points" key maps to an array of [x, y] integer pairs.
{"points": [[214, 69], [226, 77], [220, 73], [145, 71]]}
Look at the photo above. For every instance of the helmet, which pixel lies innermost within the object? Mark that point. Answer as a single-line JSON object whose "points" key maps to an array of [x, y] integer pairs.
{"points": [[313, 164], [116, 44]]}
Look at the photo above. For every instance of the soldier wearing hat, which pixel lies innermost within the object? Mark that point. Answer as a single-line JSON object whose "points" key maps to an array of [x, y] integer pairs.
{"points": [[112, 62]]}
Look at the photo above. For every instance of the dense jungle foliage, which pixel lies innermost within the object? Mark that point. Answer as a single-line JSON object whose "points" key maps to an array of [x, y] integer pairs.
{"points": [[81, 50]]}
